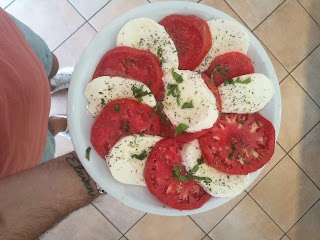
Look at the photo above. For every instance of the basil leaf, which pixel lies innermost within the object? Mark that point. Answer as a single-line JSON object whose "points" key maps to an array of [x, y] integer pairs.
{"points": [[187, 105], [88, 153], [117, 108], [246, 161], [138, 93], [230, 156], [200, 160], [155, 108], [177, 175], [180, 129], [177, 77], [173, 90], [141, 156], [241, 121], [246, 81]]}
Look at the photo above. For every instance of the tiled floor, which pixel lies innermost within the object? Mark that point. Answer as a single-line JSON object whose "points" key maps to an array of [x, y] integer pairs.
{"points": [[283, 203]]}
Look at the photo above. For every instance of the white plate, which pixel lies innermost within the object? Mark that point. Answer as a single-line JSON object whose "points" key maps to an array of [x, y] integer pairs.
{"points": [[80, 120]]}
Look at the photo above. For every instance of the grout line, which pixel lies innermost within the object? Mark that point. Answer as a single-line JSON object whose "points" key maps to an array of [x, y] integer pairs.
{"points": [[302, 216], [197, 225], [237, 14], [308, 13], [9, 4], [268, 173], [303, 59], [269, 15], [227, 213], [304, 171], [303, 137], [134, 224], [304, 90], [266, 213], [77, 10], [69, 37], [99, 10], [206, 236], [282, 148], [106, 218]]}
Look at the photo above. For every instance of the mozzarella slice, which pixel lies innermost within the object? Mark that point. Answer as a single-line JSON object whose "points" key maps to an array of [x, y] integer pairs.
{"points": [[124, 166], [193, 89], [246, 94], [222, 185], [227, 36], [104, 89], [146, 34]]}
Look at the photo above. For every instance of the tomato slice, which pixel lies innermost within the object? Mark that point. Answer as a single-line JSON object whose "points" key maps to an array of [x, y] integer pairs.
{"points": [[140, 65], [239, 143], [227, 66], [191, 36], [158, 174], [119, 118]]}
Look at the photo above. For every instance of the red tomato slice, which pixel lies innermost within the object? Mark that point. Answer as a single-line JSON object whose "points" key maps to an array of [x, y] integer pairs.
{"points": [[158, 174], [133, 63], [191, 36], [227, 66], [119, 118], [239, 143]]}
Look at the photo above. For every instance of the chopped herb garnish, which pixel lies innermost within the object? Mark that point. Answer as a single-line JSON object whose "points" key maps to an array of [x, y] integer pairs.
{"points": [[100, 92], [138, 93], [155, 108], [187, 105], [230, 156], [246, 161], [103, 102], [177, 175], [88, 153], [159, 54], [180, 129], [141, 156], [218, 68], [241, 121], [124, 126], [233, 147], [177, 77], [117, 108], [163, 118], [237, 80], [173, 89], [200, 160]]}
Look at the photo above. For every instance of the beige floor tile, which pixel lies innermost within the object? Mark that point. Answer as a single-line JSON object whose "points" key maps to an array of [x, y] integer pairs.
{"points": [[286, 193], [280, 70], [87, 223], [70, 51], [159, 228], [285, 237], [290, 33], [308, 75], [308, 226], [122, 216], [222, 6], [277, 156], [253, 12], [246, 221], [209, 219], [123, 238], [307, 153], [5, 3], [313, 7], [54, 21], [299, 113], [88, 8], [173, 0], [206, 238], [112, 10]]}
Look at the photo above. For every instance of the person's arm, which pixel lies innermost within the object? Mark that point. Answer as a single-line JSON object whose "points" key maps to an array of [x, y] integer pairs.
{"points": [[33, 201]]}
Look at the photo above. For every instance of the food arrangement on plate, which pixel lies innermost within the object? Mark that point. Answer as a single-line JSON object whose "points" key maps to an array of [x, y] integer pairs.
{"points": [[176, 107]]}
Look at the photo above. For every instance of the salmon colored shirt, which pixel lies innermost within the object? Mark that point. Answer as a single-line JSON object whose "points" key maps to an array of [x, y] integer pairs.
{"points": [[24, 101]]}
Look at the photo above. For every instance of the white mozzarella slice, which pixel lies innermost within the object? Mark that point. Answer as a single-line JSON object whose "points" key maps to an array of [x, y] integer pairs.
{"points": [[147, 34], [222, 185], [193, 89], [227, 36], [246, 94], [122, 160], [104, 89]]}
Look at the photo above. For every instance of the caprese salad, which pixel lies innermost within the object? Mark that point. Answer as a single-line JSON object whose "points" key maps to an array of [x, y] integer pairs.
{"points": [[176, 109]]}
